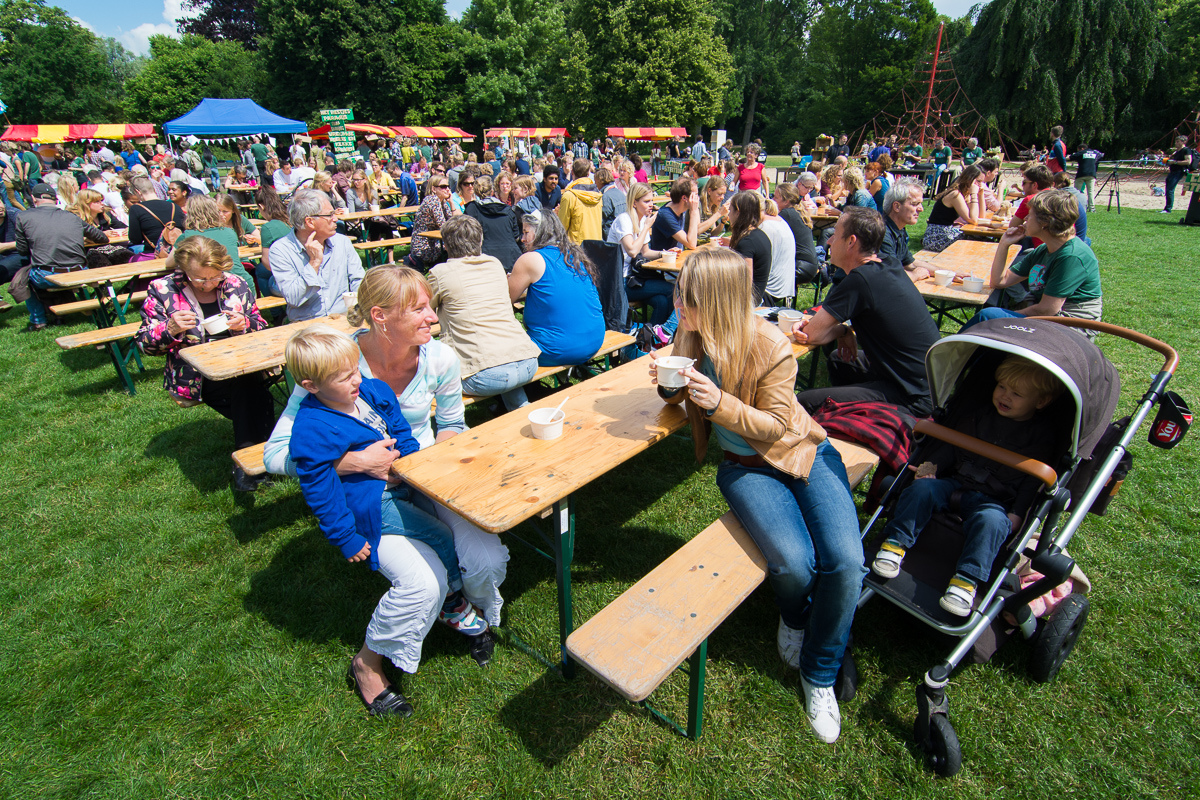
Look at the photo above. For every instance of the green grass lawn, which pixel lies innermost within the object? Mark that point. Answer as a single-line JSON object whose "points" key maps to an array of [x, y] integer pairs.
{"points": [[162, 638]]}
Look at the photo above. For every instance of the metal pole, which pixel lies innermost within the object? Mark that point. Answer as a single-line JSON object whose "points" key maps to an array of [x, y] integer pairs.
{"points": [[937, 49]]}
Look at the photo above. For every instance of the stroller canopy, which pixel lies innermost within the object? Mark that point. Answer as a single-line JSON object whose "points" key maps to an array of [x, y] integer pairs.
{"points": [[1090, 379]]}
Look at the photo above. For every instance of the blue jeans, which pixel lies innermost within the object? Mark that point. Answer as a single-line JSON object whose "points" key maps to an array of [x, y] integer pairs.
{"points": [[991, 313], [266, 281], [809, 534], [985, 523], [409, 513], [655, 293], [671, 325], [506, 380], [35, 306], [1173, 179]]}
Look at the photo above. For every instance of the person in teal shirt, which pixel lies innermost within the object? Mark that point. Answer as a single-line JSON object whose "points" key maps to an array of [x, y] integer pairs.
{"points": [[941, 154], [972, 152]]}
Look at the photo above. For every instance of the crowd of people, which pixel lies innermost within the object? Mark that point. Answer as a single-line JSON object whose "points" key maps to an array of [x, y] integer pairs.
{"points": [[531, 225]]}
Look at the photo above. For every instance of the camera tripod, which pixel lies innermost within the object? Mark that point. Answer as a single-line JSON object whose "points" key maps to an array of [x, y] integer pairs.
{"points": [[1113, 178]]}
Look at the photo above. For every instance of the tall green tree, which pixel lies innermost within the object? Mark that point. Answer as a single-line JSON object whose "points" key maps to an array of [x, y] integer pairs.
{"points": [[512, 53], [182, 72], [766, 40], [53, 70], [861, 54], [389, 60], [223, 20], [643, 62], [1083, 64]]}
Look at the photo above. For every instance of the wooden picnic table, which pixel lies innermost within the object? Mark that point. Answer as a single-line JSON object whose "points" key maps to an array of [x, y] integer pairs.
{"points": [[114, 237], [967, 258], [394, 211], [498, 476], [430, 234], [250, 352]]}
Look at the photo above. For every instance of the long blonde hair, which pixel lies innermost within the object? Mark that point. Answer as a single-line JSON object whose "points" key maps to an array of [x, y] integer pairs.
{"points": [[636, 192], [716, 285], [83, 199], [68, 187]]}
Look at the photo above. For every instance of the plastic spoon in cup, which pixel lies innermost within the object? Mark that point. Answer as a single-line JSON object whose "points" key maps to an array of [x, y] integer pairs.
{"points": [[554, 416]]}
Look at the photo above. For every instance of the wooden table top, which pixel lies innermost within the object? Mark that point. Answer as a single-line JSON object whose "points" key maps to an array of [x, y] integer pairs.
{"points": [[242, 187], [430, 234], [394, 211], [497, 475], [680, 260], [250, 352], [114, 237], [965, 257], [122, 272]]}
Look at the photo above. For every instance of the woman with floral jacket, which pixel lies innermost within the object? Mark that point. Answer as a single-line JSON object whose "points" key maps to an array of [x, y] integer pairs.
{"points": [[172, 318]]}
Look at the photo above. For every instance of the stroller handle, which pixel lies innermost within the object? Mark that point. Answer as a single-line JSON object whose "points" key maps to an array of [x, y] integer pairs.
{"points": [[1000, 455], [1162, 348]]}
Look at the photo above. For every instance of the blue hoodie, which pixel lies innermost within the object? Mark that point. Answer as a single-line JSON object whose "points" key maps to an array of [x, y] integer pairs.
{"points": [[348, 508]]}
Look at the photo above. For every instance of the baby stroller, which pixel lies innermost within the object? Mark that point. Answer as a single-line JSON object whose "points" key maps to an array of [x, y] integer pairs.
{"points": [[1091, 463]]}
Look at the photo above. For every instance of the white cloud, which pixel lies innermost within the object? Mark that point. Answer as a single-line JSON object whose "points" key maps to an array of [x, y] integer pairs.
{"points": [[83, 23], [138, 39]]}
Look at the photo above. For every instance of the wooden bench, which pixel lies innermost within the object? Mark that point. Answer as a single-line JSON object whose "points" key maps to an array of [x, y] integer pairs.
{"points": [[639, 639], [112, 337], [92, 305], [372, 248]]}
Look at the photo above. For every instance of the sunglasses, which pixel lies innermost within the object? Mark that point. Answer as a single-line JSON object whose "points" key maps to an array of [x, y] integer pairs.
{"points": [[466, 183]]}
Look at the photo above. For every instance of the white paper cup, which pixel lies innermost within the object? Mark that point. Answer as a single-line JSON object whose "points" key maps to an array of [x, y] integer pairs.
{"points": [[973, 284], [787, 318], [668, 371], [547, 423], [943, 277], [215, 324], [350, 299], [670, 257]]}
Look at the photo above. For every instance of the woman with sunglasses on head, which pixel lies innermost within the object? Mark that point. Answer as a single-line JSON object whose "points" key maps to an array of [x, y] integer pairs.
{"points": [[785, 482], [201, 286], [435, 209]]}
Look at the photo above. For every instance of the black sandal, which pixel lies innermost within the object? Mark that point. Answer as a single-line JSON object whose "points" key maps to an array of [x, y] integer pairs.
{"points": [[389, 702]]}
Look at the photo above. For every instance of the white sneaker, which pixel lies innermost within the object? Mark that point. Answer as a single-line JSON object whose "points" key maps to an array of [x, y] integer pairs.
{"points": [[824, 717], [789, 641]]}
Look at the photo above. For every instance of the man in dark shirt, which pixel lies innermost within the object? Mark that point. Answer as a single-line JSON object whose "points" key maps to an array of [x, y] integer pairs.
{"points": [[1179, 164], [548, 192], [891, 324], [903, 201], [1085, 175], [52, 239], [842, 148]]}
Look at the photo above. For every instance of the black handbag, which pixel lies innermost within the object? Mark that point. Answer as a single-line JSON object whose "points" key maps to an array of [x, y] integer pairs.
{"points": [[638, 274]]}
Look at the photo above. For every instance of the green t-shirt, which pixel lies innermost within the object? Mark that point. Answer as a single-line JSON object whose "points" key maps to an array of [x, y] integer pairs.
{"points": [[915, 150], [1072, 273], [535, 151], [35, 165], [260, 152], [427, 153], [247, 225], [227, 239], [971, 156], [272, 232], [942, 155]]}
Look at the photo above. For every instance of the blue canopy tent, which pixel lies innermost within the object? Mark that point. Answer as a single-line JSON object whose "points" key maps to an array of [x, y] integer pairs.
{"points": [[216, 118]]}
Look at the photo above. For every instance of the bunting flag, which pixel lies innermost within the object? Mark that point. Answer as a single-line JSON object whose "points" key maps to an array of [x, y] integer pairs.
{"points": [[523, 133], [54, 134], [436, 132], [648, 134]]}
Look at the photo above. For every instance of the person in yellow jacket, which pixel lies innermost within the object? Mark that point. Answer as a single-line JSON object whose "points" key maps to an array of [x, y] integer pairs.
{"points": [[580, 210]]}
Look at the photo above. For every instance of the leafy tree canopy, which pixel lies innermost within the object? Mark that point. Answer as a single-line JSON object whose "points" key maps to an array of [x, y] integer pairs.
{"points": [[223, 20]]}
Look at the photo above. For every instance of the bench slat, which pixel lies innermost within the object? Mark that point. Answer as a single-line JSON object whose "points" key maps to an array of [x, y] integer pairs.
{"points": [[250, 459], [378, 243], [640, 638], [78, 306]]}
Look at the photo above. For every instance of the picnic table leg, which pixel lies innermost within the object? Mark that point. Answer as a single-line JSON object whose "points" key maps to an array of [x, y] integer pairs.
{"points": [[697, 663], [119, 359], [563, 540]]}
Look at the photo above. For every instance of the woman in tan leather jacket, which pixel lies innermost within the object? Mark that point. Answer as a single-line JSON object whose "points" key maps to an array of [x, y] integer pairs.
{"points": [[786, 484]]}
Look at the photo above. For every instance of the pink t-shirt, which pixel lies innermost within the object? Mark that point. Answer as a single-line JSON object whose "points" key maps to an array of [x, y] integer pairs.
{"points": [[749, 179], [640, 176]]}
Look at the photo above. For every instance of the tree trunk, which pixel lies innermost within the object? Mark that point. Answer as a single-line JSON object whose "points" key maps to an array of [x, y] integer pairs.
{"points": [[750, 111]]}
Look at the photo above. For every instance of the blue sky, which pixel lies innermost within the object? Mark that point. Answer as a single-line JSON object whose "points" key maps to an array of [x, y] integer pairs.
{"points": [[138, 20]]}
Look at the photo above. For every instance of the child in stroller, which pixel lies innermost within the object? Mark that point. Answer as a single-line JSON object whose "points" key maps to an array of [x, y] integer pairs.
{"points": [[984, 492]]}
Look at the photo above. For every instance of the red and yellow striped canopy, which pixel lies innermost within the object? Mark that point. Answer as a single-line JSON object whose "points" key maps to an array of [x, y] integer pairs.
{"points": [[437, 132], [359, 127], [648, 134], [52, 134], [496, 133]]}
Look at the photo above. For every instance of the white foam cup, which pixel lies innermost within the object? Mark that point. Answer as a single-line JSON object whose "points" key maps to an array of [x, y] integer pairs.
{"points": [[670, 257], [215, 324], [350, 299], [787, 318], [547, 423], [943, 277], [669, 368], [973, 284]]}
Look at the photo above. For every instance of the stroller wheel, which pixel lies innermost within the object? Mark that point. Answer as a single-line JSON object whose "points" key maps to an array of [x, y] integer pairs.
{"points": [[1058, 636], [942, 752]]}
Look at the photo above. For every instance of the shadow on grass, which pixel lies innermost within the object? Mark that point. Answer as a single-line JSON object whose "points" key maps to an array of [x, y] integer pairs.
{"points": [[148, 381], [201, 448], [259, 513], [311, 592], [552, 717]]}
